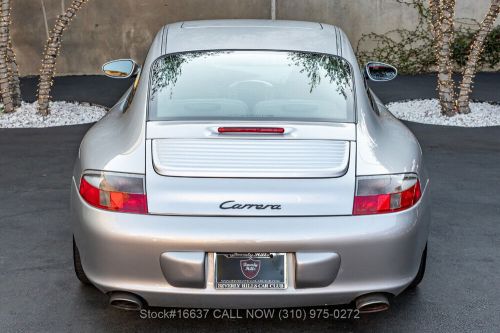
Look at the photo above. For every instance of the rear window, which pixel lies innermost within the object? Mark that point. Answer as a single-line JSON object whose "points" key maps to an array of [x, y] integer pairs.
{"points": [[251, 85]]}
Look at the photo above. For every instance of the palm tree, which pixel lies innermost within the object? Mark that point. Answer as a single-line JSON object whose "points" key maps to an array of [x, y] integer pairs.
{"points": [[442, 14], [442, 18], [474, 54], [51, 53], [14, 82], [9, 75]]}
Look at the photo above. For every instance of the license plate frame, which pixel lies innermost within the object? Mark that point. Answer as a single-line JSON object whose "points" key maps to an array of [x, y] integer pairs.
{"points": [[250, 271]]}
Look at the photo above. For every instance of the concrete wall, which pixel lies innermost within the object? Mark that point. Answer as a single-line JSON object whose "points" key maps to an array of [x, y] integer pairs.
{"points": [[108, 29]]}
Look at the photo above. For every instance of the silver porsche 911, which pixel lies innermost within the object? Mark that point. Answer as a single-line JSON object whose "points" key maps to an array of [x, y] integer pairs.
{"points": [[250, 166]]}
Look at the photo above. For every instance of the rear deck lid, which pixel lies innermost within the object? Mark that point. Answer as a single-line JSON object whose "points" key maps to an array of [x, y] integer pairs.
{"points": [[250, 158], [192, 169]]}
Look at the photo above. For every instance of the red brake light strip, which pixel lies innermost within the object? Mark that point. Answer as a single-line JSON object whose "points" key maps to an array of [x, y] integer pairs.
{"points": [[261, 130]]}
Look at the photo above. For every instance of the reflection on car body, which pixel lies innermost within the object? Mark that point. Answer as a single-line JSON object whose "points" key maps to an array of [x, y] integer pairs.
{"points": [[250, 165]]}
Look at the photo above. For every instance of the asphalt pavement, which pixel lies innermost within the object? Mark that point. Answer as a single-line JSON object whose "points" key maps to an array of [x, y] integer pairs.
{"points": [[39, 292]]}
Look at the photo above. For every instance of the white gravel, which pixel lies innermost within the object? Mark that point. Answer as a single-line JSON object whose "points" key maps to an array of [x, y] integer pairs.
{"points": [[61, 114], [424, 111], [427, 111]]}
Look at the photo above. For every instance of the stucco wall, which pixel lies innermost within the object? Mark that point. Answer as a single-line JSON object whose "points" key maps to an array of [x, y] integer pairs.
{"points": [[108, 29]]}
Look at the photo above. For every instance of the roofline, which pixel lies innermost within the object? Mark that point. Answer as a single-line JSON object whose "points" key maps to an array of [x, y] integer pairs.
{"points": [[339, 33]]}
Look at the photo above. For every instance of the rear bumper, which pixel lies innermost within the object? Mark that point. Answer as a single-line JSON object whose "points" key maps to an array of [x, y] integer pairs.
{"points": [[121, 252]]}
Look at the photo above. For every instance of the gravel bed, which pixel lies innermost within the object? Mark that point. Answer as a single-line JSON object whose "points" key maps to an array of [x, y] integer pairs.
{"points": [[424, 111], [61, 114], [427, 111]]}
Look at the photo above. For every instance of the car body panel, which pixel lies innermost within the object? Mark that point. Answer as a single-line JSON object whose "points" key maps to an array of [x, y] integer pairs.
{"points": [[122, 252], [282, 196], [248, 157], [378, 253], [293, 130], [387, 146], [281, 175], [250, 35]]}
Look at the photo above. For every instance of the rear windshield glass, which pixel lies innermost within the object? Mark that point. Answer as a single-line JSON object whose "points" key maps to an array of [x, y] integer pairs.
{"points": [[251, 85]]}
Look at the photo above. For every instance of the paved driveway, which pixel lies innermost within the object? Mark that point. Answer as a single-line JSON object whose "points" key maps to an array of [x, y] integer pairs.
{"points": [[38, 290]]}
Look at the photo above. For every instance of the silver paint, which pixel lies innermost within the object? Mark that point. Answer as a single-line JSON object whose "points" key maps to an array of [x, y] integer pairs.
{"points": [[249, 158], [184, 269], [316, 269], [297, 197], [121, 252]]}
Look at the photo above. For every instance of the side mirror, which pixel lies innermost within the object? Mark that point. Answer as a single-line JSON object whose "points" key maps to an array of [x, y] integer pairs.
{"points": [[120, 69], [378, 71]]}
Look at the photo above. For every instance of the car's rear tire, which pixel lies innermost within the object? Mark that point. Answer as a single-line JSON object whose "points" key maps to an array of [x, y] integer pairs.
{"points": [[421, 270], [80, 273]]}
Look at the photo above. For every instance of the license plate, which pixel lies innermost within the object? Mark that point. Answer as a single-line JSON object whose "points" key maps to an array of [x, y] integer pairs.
{"points": [[250, 271]]}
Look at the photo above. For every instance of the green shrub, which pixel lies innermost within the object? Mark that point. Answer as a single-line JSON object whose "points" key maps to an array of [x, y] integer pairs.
{"points": [[412, 51]]}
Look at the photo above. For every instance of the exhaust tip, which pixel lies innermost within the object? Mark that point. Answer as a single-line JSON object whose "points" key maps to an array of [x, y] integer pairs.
{"points": [[126, 301], [372, 303]]}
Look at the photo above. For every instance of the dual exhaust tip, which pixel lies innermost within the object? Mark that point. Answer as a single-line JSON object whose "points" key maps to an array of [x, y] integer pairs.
{"points": [[369, 303], [126, 301]]}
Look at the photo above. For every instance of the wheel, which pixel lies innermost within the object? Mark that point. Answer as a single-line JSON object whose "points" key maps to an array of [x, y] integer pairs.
{"points": [[421, 270], [80, 273]]}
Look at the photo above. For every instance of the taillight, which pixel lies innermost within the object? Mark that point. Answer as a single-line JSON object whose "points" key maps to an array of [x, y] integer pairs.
{"points": [[114, 191], [386, 194]]}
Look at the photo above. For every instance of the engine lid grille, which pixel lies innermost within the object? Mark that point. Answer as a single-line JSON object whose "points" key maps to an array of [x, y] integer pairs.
{"points": [[250, 158]]}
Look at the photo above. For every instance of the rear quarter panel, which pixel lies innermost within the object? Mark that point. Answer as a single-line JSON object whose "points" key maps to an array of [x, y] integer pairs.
{"points": [[387, 146]]}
